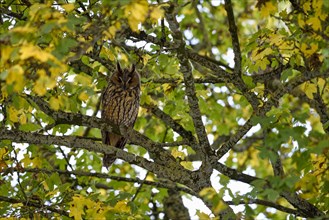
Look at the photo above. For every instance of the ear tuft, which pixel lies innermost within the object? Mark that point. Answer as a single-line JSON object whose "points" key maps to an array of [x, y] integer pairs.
{"points": [[133, 67]]}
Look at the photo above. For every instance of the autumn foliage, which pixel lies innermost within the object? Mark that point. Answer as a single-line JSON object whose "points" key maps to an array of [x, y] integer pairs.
{"points": [[234, 109]]}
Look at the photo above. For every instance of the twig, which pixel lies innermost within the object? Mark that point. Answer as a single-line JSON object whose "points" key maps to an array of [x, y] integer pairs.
{"points": [[268, 204], [139, 188]]}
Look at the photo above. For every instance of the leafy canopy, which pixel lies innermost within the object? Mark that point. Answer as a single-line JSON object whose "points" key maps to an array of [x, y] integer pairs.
{"points": [[243, 81]]}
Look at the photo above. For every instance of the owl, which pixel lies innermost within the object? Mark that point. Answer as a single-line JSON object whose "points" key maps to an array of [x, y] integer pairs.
{"points": [[120, 104]]}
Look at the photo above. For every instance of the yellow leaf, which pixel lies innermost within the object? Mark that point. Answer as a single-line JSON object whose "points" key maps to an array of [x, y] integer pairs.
{"points": [[136, 13], [16, 205], [300, 20], [146, 58], [13, 114], [76, 207], [22, 118], [68, 7], [43, 83], [260, 54], [208, 192], [307, 6], [63, 101], [307, 50], [52, 193], [124, 58], [54, 103], [3, 152], [40, 87], [167, 88], [150, 178], [35, 8], [83, 96], [16, 77], [112, 30], [317, 5], [45, 185], [276, 39], [268, 9], [108, 53], [24, 29], [218, 207], [309, 89], [315, 23], [321, 84], [36, 162], [176, 153], [122, 206], [28, 51], [202, 215], [5, 52], [156, 14]]}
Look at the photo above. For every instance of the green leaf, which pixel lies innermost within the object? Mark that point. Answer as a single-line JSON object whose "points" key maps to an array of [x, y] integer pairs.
{"points": [[29, 127]]}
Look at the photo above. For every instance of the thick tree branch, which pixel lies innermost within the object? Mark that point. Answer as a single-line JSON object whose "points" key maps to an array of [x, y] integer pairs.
{"points": [[185, 68], [193, 101], [61, 117], [34, 204], [208, 79], [303, 207], [171, 170]]}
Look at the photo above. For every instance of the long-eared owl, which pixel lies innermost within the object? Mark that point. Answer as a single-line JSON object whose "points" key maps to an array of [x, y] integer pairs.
{"points": [[120, 104]]}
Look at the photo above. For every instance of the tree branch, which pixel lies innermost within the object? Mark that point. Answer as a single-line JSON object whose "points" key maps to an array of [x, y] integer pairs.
{"points": [[162, 184], [287, 88], [234, 139], [234, 35], [303, 206], [316, 103], [60, 117], [34, 204], [171, 170], [193, 101], [172, 123], [12, 14]]}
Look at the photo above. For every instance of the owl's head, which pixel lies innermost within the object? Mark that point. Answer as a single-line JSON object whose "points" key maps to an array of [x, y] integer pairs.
{"points": [[126, 79]]}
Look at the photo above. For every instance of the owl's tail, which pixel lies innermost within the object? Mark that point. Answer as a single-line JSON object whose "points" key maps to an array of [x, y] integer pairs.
{"points": [[108, 159]]}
